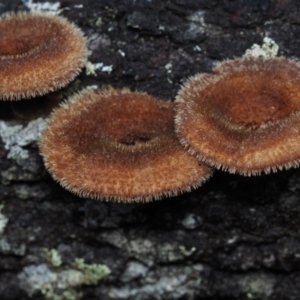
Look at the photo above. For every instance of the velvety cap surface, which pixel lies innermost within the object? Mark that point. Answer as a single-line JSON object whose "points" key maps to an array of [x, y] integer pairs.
{"points": [[119, 145], [244, 117], [39, 53]]}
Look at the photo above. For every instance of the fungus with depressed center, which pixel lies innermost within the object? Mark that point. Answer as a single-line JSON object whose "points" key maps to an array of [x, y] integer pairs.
{"points": [[245, 117], [118, 145], [39, 53]]}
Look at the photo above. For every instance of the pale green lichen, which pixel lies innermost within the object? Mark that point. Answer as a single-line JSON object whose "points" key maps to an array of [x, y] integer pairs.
{"points": [[60, 283], [268, 49], [99, 22], [168, 252], [66, 295], [90, 68], [53, 257], [92, 273], [185, 251]]}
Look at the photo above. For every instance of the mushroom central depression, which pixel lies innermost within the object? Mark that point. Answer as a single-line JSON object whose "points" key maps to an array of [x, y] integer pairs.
{"points": [[244, 117], [119, 145]]}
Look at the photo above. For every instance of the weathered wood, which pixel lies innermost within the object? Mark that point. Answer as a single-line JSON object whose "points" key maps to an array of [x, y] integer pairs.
{"points": [[233, 238]]}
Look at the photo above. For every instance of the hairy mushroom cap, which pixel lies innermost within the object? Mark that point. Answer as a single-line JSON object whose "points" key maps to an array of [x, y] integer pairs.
{"points": [[245, 117], [118, 145], [39, 53]]}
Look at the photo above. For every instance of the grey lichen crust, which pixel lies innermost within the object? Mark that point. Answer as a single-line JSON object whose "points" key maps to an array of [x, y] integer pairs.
{"points": [[20, 144], [56, 282], [16, 137]]}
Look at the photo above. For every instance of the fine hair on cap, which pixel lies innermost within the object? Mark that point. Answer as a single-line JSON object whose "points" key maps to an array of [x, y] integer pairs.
{"points": [[119, 145], [39, 53], [244, 117]]}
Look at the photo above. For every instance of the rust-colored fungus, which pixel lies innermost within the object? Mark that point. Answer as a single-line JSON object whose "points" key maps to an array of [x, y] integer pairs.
{"points": [[39, 53], [118, 145], [245, 117]]}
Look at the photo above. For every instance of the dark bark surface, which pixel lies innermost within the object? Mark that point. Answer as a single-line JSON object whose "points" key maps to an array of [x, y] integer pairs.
{"points": [[234, 238]]}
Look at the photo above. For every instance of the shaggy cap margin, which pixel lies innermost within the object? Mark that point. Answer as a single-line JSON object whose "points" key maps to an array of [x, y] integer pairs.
{"points": [[245, 117], [39, 53], [119, 145]]}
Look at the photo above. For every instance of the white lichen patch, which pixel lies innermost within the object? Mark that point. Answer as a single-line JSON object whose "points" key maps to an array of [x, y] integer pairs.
{"points": [[268, 49], [16, 137], [258, 286], [198, 17], [49, 7], [169, 67], [122, 53], [34, 278], [61, 284], [6, 247], [191, 221], [197, 22], [90, 68], [133, 271], [198, 27], [92, 87], [3, 220]]}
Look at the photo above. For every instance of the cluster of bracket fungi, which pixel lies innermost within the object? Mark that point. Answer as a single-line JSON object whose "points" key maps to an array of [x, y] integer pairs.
{"points": [[125, 146]]}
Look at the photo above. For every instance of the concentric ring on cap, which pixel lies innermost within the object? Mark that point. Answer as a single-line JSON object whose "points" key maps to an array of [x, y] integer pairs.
{"points": [[39, 53], [245, 117], [119, 145]]}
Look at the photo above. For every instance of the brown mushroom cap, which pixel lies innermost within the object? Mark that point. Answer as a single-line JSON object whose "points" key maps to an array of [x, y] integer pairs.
{"points": [[245, 117], [39, 53], [118, 145]]}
